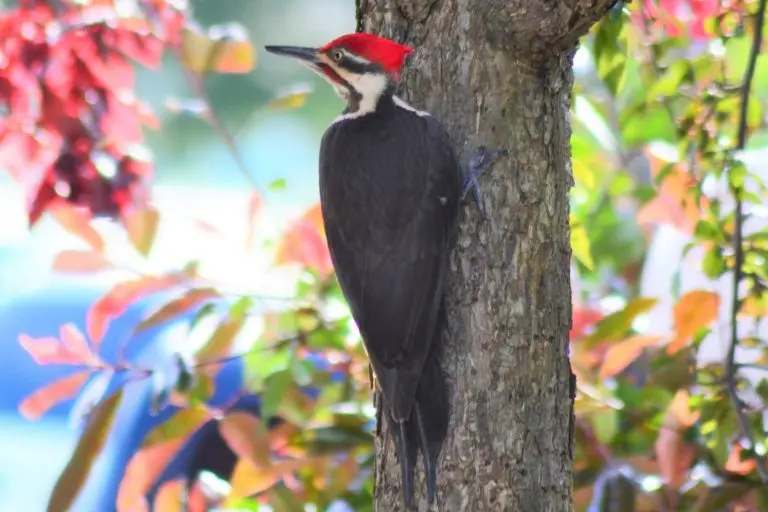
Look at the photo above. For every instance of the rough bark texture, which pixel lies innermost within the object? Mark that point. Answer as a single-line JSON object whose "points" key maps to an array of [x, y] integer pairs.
{"points": [[499, 73]]}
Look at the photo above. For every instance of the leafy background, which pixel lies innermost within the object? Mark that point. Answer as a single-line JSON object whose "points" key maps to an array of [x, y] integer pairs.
{"points": [[255, 389]]}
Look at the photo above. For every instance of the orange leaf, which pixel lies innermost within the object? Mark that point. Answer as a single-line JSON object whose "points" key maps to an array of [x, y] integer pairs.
{"points": [[115, 302], [755, 305], [249, 479], [78, 222], [142, 229], [254, 207], [674, 456], [168, 497], [80, 261], [734, 464], [674, 203], [622, 353], [679, 415], [696, 309], [673, 453], [177, 307], [304, 244], [224, 49], [39, 402], [247, 437], [142, 471]]}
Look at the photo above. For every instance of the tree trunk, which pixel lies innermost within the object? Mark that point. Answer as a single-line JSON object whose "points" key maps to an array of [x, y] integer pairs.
{"points": [[499, 73]]}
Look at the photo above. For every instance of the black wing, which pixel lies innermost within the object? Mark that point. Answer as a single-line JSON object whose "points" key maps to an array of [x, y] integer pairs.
{"points": [[389, 219]]}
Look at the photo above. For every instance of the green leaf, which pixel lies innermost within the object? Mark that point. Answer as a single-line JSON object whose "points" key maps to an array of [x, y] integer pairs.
{"points": [[737, 175], [177, 307], [669, 82], [142, 229], [707, 231], [275, 389], [220, 343], [183, 422], [713, 263], [580, 244], [615, 325], [610, 54], [334, 439], [88, 447], [283, 500], [606, 425], [718, 498], [278, 184]]}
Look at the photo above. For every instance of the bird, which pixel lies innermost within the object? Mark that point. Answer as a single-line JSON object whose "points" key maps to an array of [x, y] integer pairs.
{"points": [[390, 189]]}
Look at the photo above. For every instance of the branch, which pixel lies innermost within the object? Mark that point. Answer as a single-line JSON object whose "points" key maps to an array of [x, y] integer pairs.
{"points": [[197, 82], [738, 249]]}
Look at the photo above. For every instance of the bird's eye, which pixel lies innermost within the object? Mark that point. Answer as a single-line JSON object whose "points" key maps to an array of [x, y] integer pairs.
{"points": [[337, 55]]}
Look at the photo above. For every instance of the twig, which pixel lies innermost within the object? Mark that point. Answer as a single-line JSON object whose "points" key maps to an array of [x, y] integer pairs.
{"points": [[197, 82], [738, 250]]}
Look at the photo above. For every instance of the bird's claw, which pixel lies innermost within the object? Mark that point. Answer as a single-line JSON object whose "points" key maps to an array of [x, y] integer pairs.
{"points": [[478, 165]]}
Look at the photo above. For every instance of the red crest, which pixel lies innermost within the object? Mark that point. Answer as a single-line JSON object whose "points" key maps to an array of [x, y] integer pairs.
{"points": [[389, 54]]}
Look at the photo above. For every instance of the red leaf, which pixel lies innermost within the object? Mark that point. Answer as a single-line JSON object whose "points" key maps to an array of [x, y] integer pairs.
{"points": [[80, 261], [49, 350], [75, 342], [40, 401], [115, 302], [108, 68], [78, 222], [304, 244], [583, 318]]}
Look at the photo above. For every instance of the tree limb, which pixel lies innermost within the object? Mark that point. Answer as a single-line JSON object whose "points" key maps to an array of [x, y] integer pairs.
{"points": [[738, 249]]}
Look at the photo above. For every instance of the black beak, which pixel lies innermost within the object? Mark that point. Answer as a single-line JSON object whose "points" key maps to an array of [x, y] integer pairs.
{"points": [[308, 55]]}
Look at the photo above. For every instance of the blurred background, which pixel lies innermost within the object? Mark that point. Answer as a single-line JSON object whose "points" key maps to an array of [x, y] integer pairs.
{"points": [[195, 177]]}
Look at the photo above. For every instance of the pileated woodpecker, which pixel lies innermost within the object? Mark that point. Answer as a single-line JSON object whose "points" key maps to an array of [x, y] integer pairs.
{"points": [[390, 185]]}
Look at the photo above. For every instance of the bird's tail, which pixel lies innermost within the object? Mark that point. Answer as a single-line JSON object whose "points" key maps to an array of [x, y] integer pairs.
{"points": [[425, 429]]}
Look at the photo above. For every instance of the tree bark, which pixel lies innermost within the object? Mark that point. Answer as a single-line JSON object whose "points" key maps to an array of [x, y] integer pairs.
{"points": [[499, 73]]}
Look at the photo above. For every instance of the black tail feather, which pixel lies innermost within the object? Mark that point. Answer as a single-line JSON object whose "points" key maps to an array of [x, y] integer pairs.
{"points": [[427, 457], [424, 431]]}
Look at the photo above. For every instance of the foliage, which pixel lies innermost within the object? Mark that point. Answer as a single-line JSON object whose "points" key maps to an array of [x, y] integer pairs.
{"points": [[657, 430], [654, 429]]}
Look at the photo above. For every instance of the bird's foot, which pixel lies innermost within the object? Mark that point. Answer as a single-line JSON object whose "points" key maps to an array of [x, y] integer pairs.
{"points": [[478, 165]]}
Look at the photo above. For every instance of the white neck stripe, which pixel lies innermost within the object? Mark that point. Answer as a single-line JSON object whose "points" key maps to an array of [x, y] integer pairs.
{"points": [[400, 103]]}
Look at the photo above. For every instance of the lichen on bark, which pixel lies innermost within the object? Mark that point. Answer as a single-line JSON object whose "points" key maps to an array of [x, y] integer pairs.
{"points": [[499, 73]]}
